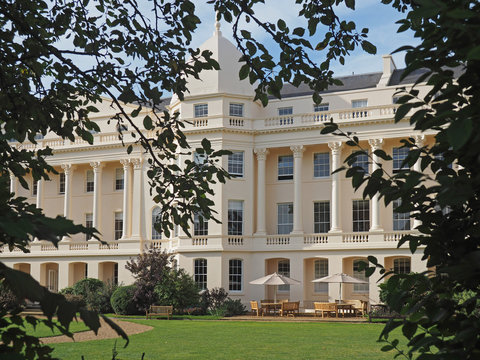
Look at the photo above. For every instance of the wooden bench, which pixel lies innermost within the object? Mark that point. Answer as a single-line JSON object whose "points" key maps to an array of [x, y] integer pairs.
{"points": [[290, 308], [159, 310], [360, 306], [329, 308]]}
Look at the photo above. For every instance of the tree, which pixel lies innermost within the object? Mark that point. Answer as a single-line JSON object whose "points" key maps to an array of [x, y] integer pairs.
{"points": [[442, 320], [57, 60]]}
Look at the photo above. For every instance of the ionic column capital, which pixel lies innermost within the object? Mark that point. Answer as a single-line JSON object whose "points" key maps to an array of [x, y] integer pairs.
{"points": [[375, 144], [125, 163], [419, 140], [96, 165], [67, 168], [297, 150], [137, 163], [335, 146], [261, 153]]}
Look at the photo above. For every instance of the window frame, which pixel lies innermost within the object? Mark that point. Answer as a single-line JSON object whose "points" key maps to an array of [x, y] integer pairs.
{"points": [[117, 225], [363, 163], [360, 288], [320, 288], [283, 262], [359, 222], [320, 107], [234, 226], [88, 224], [354, 103], [321, 170], [119, 180], [233, 163], [200, 228], [284, 216], [400, 218], [61, 183], [201, 110], [232, 106], [319, 221], [156, 212], [200, 278], [284, 176], [34, 187], [89, 185], [398, 157], [285, 111], [401, 268], [235, 279]]}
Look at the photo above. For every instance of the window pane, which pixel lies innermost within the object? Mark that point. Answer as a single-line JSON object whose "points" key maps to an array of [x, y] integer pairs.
{"points": [[401, 265], [361, 215], [119, 179], [321, 270], [285, 111], [118, 225], [401, 221], [200, 225], [321, 107], [156, 217], [201, 110], [236, 110], [359, 103], [61, 183], [200, 273], [399, 155], [199, 159], [235, 271], [284, 218], [361, 160], [321, 165], [359, 275], [284, 269], [321, 217], [34, 187], [235, 217], [88, 224], [285, 167], [235, 163], [89, 181]]}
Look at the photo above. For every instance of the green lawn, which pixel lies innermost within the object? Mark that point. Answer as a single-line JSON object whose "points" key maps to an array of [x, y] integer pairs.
{"points": [[42, 330], [184, 339]]}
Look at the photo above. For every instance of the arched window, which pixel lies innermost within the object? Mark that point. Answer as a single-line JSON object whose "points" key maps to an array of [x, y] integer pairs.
{"points": [[200, 273], [156, 215], [235, 275]]}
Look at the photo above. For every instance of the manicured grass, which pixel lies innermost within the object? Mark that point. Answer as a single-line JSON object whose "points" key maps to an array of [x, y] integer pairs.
{"points": [[237, 340], [174, 317], [42, 330]]}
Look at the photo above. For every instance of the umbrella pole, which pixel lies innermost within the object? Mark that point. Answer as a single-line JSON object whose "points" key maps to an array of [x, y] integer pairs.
{"points": [[340, 294], [275, 293]]}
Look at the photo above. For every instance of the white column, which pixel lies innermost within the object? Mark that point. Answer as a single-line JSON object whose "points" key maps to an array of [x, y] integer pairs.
{"points": [[137, 210], [261, 207], [126, 196], [375, 144], [297, 188], [419, 142], [97, 168], [336, 148], [67, 169], [39, 193], [13, 182]]}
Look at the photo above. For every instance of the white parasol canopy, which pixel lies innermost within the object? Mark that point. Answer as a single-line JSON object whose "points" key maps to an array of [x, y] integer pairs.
{"points": [[342, 279], [275, 279]]}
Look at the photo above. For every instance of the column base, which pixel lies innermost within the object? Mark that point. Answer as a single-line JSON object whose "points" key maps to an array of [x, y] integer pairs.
{"points": [[335, 231], [376, 229], [297, 232], [260, 233], [66, 239]]}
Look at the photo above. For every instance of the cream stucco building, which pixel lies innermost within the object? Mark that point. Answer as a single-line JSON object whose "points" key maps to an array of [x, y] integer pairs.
{"points": [[283, 211]]}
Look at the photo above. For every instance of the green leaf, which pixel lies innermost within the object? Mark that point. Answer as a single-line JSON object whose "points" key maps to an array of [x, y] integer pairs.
{"points": [[244, 70], [459, 132], [369, 47], [402, 111], [147, 123], [350, 4]]}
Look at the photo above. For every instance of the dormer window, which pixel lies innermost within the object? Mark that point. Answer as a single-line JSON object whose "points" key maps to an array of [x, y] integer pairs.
{"points": [[236, 110], [201, 110]]}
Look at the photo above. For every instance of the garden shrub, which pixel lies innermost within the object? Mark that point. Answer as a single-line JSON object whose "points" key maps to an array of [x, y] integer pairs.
{"points": [[177, 288], [122, 301], [233, 307], [8, 301], [77, 300]]}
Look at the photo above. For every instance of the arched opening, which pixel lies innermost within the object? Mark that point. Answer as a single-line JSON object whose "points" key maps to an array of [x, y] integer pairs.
{"points": [[49, 276], [108, 272], [281, 266], [24, 267], [76, 272]]}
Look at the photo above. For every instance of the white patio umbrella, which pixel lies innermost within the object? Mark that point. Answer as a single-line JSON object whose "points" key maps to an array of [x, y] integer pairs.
{"points": [[342, 279], [275, 279]]}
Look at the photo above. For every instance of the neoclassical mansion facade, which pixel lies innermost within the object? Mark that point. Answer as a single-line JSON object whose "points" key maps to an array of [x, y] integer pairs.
{"points": [[282, 211]]}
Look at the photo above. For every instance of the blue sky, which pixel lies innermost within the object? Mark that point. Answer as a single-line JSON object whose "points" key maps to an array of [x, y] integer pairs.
{"points": [[378, 18]]}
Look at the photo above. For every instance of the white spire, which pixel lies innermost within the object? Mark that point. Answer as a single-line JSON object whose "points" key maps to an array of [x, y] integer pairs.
{"points": [[217, 31]]}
